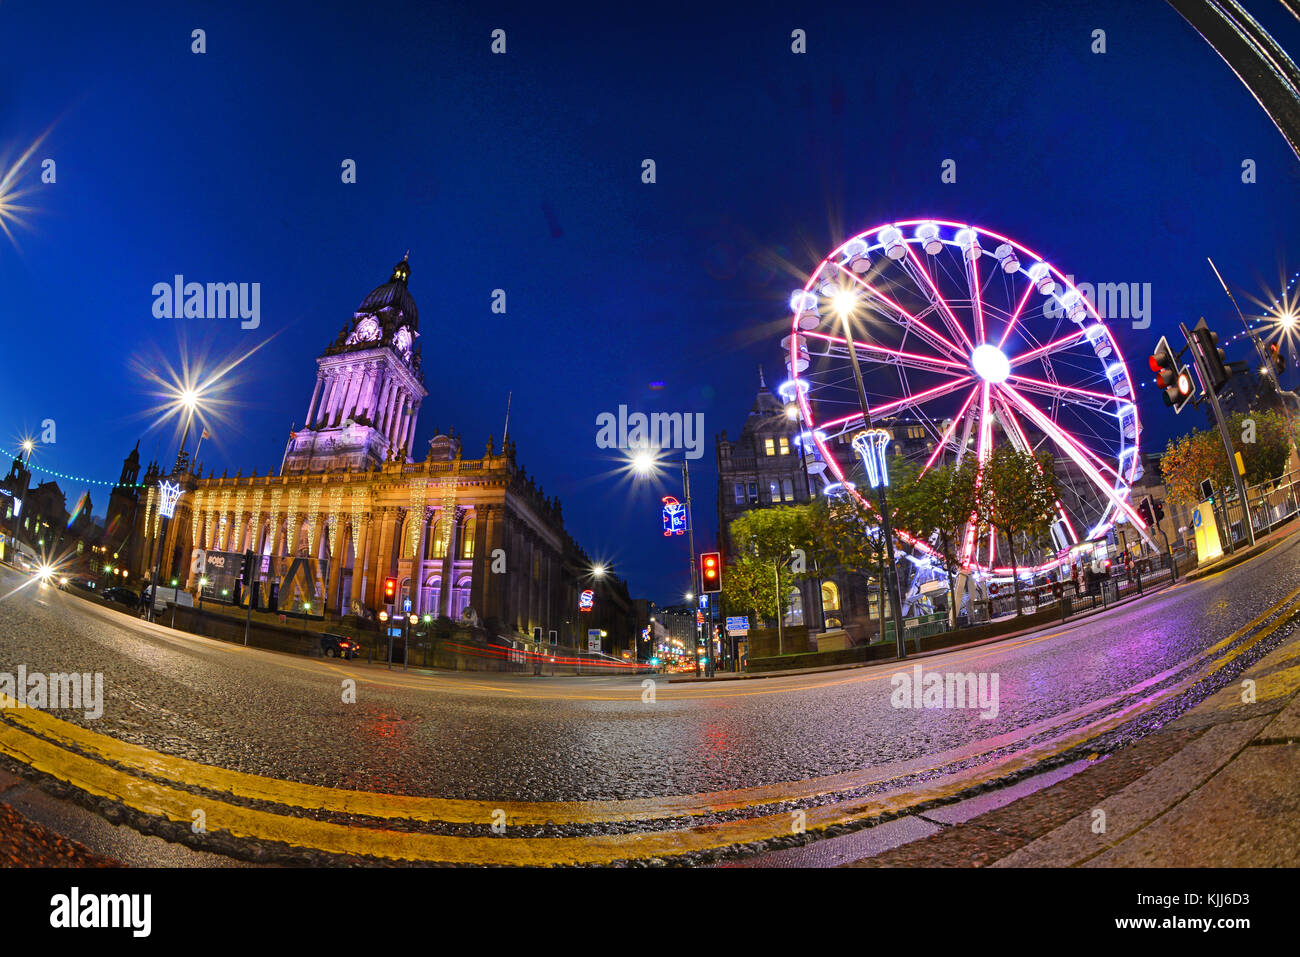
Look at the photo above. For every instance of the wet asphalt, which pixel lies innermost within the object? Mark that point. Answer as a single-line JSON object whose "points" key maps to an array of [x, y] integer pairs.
{"points": [[523, 738]]}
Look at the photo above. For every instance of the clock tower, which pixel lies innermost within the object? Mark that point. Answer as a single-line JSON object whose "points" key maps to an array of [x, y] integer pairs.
{"points": [[369, 386]]}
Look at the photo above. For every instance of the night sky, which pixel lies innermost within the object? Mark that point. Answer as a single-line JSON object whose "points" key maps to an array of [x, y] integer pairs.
{"points": [[523, 172]]}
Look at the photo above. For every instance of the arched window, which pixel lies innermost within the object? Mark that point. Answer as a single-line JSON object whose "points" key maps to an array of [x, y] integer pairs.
{"points": [[794, 615], [431, 594], [459, 597], [830, 596], [435, 547], [408, 546], [467, 536]]}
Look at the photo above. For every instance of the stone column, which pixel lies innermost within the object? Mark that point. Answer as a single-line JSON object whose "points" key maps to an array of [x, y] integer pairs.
{"points": [[315, 396], [417, 564], [360, 547], [487, 594], [383, 554], [449, 561], [335, 575]]}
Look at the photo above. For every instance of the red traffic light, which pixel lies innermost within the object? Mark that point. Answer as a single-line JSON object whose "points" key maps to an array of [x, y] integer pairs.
{"points": [[711, 572], [390, 589]]}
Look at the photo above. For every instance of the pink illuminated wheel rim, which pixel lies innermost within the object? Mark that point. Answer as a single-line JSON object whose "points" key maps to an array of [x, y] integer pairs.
{"points": [[966, 339]]}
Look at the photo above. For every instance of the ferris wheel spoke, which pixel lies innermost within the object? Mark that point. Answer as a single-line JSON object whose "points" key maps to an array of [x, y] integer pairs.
{"points": [[1016, 435], [889, 408], [913, 323], [1056, 345], [976, 295], [897, 357], [915, 268], [948, 432], [1056, 390], [1015, 316], [1075, 451]]}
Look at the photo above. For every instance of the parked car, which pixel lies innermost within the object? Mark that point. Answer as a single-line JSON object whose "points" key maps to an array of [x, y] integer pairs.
{"points": [[121, 596], [339, 646]]}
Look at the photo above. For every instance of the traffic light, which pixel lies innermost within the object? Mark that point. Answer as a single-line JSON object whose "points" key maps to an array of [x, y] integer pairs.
{"points": [[1159, 511], [1216, 366], [711, 572], [1144, 509], [1276, 357], [1174, 382], [390, 590], [246, 573]]}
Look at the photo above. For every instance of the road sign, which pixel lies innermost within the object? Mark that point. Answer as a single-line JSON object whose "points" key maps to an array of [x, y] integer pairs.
{"points": [[738, 625], [593, 639]]}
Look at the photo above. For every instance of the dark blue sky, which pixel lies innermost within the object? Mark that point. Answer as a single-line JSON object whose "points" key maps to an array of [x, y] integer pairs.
{"points": [[522, 172]]}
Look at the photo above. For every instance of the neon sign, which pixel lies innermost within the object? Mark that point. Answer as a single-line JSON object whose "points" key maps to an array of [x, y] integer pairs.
{"points": [[586, 600], [675, 517]]}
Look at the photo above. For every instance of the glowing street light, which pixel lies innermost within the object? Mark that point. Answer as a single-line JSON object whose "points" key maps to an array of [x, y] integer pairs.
{"points": [[846, 302]]}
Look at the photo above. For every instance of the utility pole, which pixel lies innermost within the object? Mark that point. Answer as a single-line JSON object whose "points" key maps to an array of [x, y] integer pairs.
{"points": [[1201, 361], [690, 541]]}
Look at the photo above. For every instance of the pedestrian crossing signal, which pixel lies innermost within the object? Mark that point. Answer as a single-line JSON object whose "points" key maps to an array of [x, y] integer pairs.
{"points": [[711, 572]]}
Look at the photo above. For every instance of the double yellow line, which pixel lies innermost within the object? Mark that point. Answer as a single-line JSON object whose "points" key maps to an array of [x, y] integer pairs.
{"points": [[163, 786]]}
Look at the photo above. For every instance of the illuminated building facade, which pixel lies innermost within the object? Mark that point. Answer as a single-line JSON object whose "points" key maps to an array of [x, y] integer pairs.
{"points": [[472, 539]]}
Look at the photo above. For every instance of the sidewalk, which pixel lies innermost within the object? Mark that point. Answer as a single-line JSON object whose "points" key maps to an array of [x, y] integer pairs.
{"points": [[1018, 633], [1218, 787]]}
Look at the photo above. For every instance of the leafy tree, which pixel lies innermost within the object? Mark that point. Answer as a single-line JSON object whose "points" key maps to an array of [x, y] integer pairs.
{"points": [[937, 506], [1016, 494], [780, 540], [846, 537], [750, 584], [1262, 438]]}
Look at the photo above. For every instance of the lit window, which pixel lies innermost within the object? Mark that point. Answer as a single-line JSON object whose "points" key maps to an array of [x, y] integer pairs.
{"points": [[785, 445], [787, 487], [774, 490], [753, 492], [769, 446], [467, 537], [830, 596]]}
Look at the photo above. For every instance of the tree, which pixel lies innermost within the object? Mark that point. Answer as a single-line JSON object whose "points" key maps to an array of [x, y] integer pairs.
{"points": [[846, 536], [778, 539], [1016, 494], [1262, 438], [937, 506]]}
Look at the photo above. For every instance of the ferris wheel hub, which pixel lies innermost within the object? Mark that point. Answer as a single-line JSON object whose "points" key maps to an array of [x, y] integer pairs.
{"points": [[990, 363]]}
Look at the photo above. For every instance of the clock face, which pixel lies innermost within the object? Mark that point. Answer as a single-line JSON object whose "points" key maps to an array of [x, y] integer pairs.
{"points": [[367, 330], [403, 342]]}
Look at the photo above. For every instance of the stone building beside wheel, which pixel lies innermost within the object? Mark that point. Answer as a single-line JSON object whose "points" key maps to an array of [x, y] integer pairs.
{"points": [[474, 539]]}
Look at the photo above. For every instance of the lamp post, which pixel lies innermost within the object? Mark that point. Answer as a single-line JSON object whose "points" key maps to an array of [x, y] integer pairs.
{"points": [[845, 301], [644, 463]]}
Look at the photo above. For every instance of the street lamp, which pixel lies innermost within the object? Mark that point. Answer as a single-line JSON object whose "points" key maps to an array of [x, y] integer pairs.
{"points": [[644, 462], [846, 302]]}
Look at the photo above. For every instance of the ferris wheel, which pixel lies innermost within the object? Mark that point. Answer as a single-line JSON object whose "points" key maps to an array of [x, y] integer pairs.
{"points": [[966, 339]]}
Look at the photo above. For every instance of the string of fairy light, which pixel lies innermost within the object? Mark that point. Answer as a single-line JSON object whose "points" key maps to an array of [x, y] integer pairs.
{"points": [[80, 478], [1257, 322]]}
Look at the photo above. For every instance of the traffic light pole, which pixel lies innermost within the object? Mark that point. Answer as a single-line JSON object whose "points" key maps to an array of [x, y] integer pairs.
{"points": [[1201, 361]]}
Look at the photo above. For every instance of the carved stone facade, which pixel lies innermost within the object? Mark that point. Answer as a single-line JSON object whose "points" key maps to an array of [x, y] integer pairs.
{"points": [[465, 538]]}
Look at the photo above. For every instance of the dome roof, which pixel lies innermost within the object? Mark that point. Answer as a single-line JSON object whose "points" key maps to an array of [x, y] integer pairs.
{"points": [[394, 295]]}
